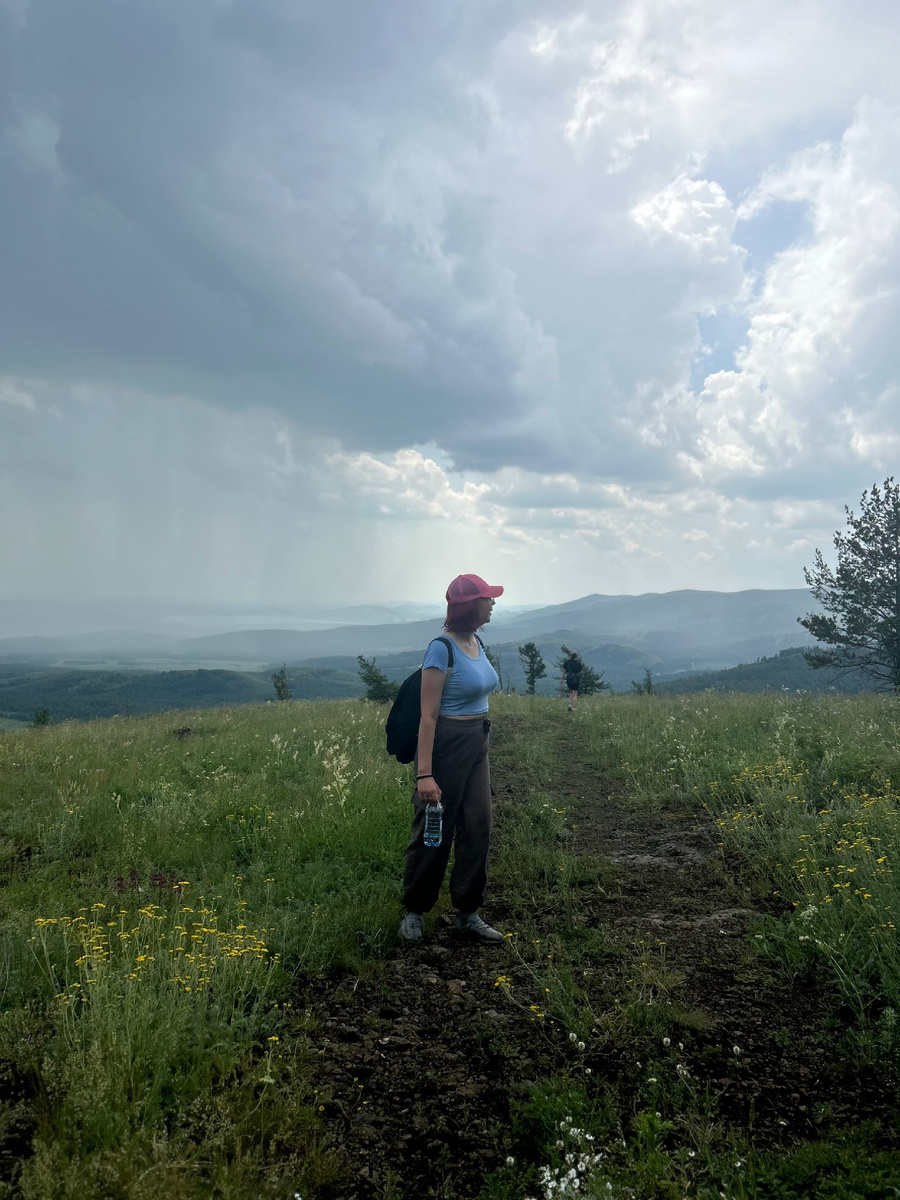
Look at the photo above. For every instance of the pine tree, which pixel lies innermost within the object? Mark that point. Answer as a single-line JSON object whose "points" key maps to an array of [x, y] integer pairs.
{"points": [[646, 688], [280, 680], [592, 681], [532, 664], [379, 689], [861, 622]]}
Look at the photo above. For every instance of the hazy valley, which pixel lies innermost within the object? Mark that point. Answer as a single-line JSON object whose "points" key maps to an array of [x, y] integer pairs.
{"points": [[689, 640]]}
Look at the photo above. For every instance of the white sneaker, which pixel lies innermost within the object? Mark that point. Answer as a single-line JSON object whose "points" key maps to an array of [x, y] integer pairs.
{"points": [[411, 927], [471, 925]]}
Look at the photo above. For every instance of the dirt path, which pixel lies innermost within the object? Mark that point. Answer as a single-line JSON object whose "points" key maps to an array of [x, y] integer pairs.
{"points": [[418, 1064], [676, 902]]}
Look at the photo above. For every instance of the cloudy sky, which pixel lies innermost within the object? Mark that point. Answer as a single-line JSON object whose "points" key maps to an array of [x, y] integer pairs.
{"points": [[317, 302]]}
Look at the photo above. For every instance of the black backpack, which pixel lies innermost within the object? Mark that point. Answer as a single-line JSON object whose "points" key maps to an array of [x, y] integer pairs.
{"points": [[402, 725]]}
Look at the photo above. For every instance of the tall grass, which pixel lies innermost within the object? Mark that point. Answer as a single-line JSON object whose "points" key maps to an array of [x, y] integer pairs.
{"points": [[162, 890], [806, 790], [276, 802]]}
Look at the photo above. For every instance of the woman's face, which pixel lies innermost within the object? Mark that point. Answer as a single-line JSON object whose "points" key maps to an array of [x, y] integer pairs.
{"points": [[485, 605]]}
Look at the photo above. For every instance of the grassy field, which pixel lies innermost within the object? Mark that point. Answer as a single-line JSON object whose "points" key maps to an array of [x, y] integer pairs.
{"points": [[167, 896], [807, 791]]}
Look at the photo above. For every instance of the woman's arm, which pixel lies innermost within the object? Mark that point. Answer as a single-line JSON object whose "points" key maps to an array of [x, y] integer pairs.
{"points": [[433, 680]]}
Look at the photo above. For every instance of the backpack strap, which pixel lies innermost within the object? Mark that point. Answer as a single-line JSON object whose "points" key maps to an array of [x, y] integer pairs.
{"points": [[449, 646]]}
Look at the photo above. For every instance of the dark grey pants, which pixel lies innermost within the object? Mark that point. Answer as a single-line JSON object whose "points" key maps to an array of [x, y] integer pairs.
{"points": [[460, 766]]}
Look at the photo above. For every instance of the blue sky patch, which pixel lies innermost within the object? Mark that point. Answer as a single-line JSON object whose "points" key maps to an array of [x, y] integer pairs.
{"points": [[722, 335], [782, 224]]}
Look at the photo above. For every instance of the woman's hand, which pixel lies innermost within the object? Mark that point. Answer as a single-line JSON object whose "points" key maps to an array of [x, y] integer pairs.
{"points": [[428, 790]]}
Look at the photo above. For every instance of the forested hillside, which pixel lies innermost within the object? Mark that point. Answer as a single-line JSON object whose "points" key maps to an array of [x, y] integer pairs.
{"points": [[87, 695], [785, 670]]}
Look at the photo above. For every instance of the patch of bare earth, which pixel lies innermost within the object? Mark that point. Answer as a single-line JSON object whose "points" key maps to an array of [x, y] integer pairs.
{"points": [[417, 1064], [676, 902]]}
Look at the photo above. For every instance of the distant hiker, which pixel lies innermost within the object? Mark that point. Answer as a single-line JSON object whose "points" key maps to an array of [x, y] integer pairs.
{"points": [[571, 677], [452, 767]]}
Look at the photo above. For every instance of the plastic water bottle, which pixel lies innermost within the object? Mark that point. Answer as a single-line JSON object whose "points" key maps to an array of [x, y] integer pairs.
{"points": [[434, 824]]}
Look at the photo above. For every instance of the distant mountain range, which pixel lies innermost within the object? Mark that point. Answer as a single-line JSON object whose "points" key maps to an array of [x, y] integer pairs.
{"points": [[681, 630], [45, 618], [672, 631], [675, 634]]}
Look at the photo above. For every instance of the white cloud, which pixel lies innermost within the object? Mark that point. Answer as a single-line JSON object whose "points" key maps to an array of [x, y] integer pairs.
{"points": [[697, 75], [413, 486], [815, 373], [695, 213], [12, 392]]}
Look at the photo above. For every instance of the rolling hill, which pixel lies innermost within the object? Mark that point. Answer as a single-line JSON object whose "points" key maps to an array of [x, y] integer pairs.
{"points": [[87, 695], [786, 671]]}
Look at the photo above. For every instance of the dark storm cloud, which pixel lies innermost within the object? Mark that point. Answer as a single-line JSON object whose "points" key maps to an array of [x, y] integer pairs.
{"points": [[145, 148]]}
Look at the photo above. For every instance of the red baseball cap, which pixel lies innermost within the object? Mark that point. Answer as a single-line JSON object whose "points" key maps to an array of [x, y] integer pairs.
{"points": [[470, 587]]}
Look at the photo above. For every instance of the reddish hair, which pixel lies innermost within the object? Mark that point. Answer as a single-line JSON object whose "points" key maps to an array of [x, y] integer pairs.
{"points": [[463, 618]]}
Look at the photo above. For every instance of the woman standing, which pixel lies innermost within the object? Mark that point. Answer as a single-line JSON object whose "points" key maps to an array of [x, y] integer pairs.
{"points": [[571, 676], [452, 767]]}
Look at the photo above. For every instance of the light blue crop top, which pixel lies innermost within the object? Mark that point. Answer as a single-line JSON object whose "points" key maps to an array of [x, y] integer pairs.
{"points": [[469, 682]]}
